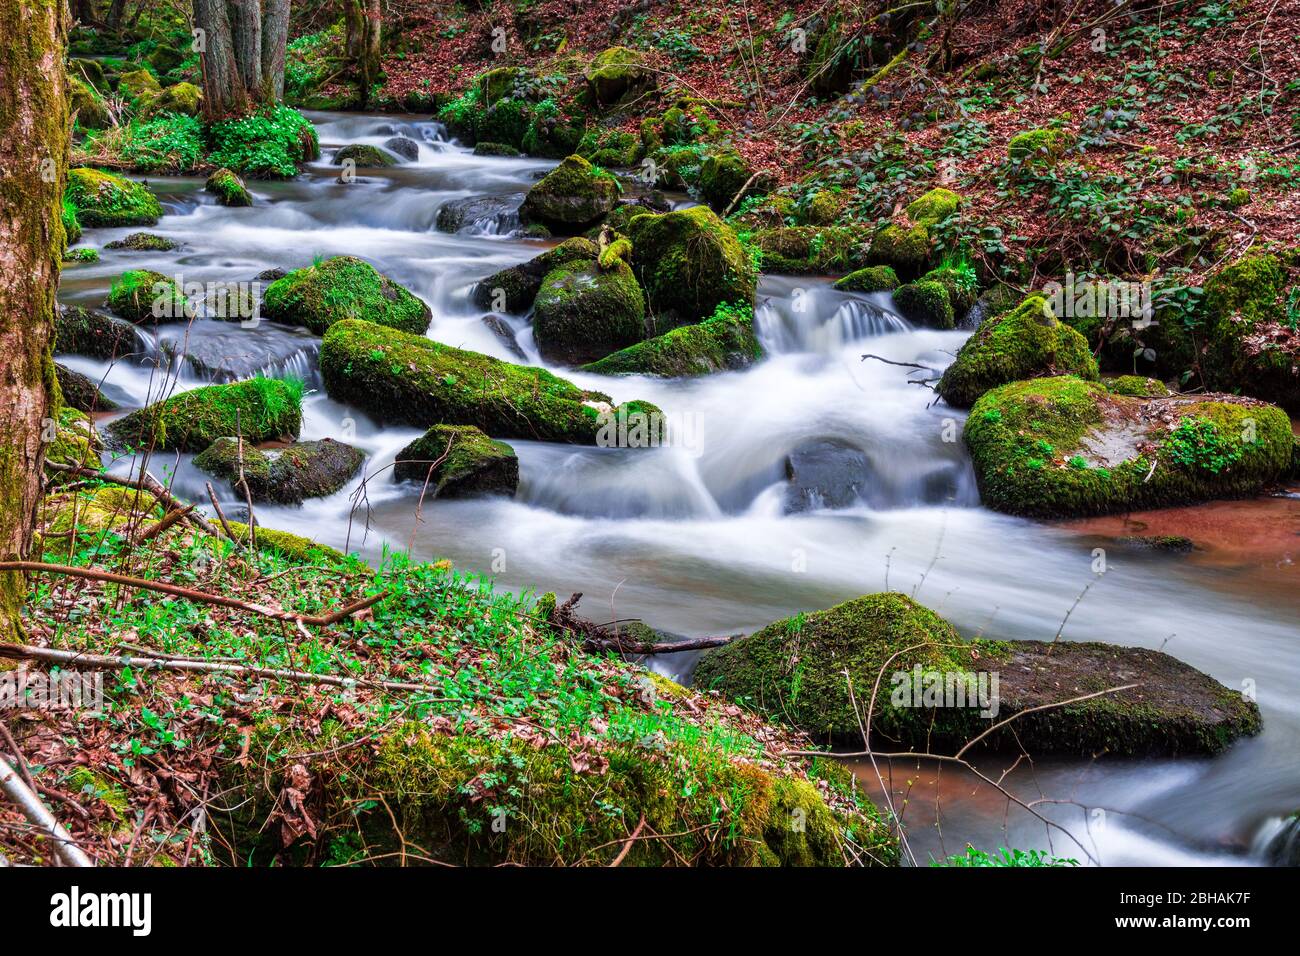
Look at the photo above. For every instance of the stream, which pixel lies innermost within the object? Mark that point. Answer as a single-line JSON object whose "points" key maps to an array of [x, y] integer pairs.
{"points": [[698, 537]]}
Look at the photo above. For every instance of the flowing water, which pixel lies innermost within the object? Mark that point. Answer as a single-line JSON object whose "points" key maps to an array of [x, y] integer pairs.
{"points": [[697, 537]]}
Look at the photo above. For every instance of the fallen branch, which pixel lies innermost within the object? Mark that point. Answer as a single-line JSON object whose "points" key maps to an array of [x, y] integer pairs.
{"points": [[879, 358], [736, 198], [293, 617], [103, 662], [148, 483], [169, 519], [38, 815], [613, 643], [622, 854]]}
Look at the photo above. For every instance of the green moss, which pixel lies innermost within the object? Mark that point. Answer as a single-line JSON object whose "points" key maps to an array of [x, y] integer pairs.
{"points": [[102, 199], [81, 392], [228, 188], [184, 99], [823, 207], [1034, 446], [690, 262], [613, 73], [75, 440], [459, 461], [934, 206], [364, 156], [141, 295], [906, 250], [1024, 343], [611, 147], [723, 341], [584, 312], [138, 86], [86, 102], [411, 379], [1137, 386], [960, 281], [514, 289], [143, 242], [1249, 349], [495, 149], [926, 303], [86, 332], [571, 197], [71, 225], [343, 287], [260, 409], [498, 83], [1038, 147], [798, 250], [292, 547], [870, 279], [96, 511], [84, 254], [722, 175]]}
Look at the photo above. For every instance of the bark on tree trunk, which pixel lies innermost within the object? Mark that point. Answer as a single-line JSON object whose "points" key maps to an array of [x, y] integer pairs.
{"points": [[34, 144], [223, 90], [243, 55], [363, 21], [275, 39]]}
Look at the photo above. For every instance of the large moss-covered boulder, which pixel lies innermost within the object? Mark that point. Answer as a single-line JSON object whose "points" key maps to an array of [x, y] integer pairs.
{"points": [[724, 341], [228, 188], [1027, 342], [138, 86], [584, 311], [142, 295], [1038, 147], [933, 206], [259, 409], [102, 199], [87, 332], [722, 175], [459, 461], [615, 72], [1251, 347], [690, 262], [905, 249], [799, 670], [801, 250], [413, 380], [81, 391], [514, 289], [364, 156], [185, 99], [1065, 447], [343, 287], [311, 469], [571, 198]]}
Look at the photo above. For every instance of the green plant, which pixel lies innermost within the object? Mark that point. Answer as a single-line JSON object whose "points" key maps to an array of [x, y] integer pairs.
{"points": [[1004, 857], [268, 144]]}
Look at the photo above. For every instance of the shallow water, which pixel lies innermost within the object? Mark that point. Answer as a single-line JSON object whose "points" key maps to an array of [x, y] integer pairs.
{"points": [[695, 537]]}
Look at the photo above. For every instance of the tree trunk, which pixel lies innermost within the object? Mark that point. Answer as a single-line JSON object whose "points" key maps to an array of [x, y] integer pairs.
{"points": [[115, 11], [34, 142], [363, 21], [243, 55]]}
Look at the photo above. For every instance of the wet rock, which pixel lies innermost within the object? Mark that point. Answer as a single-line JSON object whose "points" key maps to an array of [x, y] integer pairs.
{"points": [[514, 289], [262, 409], [825, 473], [343, 287], [723, 342], [484, 214], [584, 312], [570, 198], [102, 199], [1168, 543], [495, 149], [468, 463], [145, 296], [364, 156], [226, 352], [87, 332], [502, 330], [1174, 709], [404, 147], [270, 275], [228, 188], [311, 469], [81, 392]]}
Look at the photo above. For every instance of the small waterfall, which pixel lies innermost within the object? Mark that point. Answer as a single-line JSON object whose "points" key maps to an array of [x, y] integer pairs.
{"points": [[817, 318]]}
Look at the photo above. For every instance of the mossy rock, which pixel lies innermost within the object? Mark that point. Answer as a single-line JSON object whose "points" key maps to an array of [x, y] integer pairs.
{"points": [[87, 332], [364, 156], [870, 279], [228, 188], [925, 302], [71, 224], [96, 511], [934, 206], [88, 71], [800, 250], [723, 342], [514, 289], [88, 104], [138, 85], [585, 311], [292, 547], [823, 207], [1250, 349], [795, 670], [74, 441], [505, 121], [690, 262], [142, 295], [1039, 147], [413, 380], [143, 242], [343, 287], [495, 149], [290, 475], [611, 147], [500, 82], [459, 461], [722, 175], [259, 409], [1027, 342], [185, 99], [961, 285], [904, 249], [1064, 447], [102, 199], [614, 73], [1137, 386], [570, 198], [81, 391]]}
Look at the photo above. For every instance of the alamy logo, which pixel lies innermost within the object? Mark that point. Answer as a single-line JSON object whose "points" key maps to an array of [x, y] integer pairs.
{"points": [[1110, 299], [921, 688], [76, 909]]}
